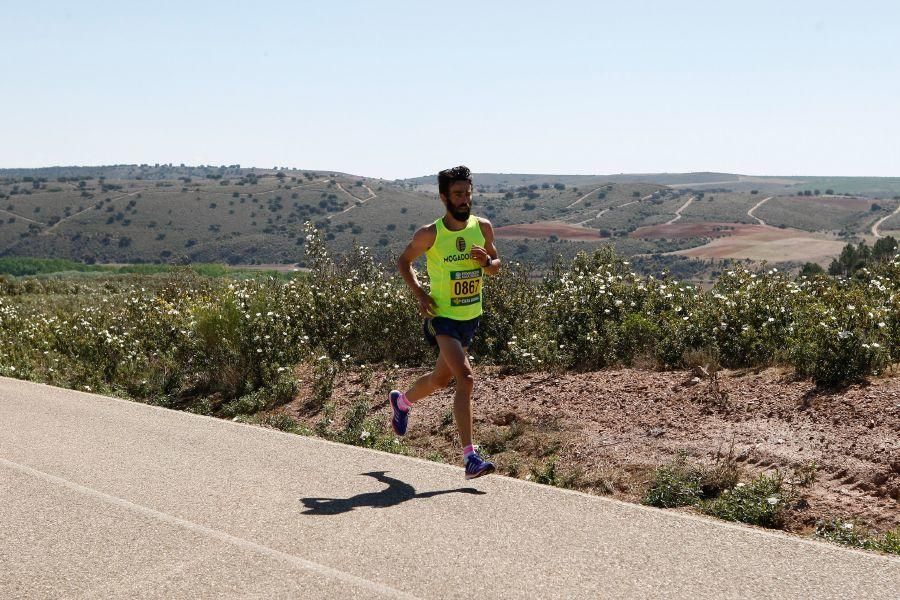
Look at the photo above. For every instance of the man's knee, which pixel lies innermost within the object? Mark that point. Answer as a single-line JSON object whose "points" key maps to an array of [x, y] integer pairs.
{"points": [[466, 377]]}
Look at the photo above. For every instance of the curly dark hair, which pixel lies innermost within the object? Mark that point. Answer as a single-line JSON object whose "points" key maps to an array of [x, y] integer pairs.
{"points": [[448, 176]]}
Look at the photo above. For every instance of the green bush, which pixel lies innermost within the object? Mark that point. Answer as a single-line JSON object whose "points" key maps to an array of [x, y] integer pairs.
{"points": [[761, 502], [858, 535], [180, 334], [685, 483]]}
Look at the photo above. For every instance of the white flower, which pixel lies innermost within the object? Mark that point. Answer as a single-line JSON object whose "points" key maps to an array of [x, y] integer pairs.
{"points": [[364, 434], [259, 350], [882, 324], [844, 334], [851, 307]]}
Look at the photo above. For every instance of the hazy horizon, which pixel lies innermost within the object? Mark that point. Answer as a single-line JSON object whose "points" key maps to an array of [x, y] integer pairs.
{"points": [[399, 90]]}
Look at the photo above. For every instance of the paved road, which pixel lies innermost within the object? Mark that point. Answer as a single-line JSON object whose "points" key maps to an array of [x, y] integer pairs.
{"points": [[101, 498]]}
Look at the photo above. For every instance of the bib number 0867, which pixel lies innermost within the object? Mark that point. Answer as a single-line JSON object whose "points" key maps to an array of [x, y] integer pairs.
{"points": [[466, 288]]}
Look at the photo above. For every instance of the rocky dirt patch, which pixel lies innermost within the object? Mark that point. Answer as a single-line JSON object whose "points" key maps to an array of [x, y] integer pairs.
{"points": [[606, 431]]}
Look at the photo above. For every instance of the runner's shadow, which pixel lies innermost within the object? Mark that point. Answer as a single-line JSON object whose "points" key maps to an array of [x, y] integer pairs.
{"points": [[396, 492]]}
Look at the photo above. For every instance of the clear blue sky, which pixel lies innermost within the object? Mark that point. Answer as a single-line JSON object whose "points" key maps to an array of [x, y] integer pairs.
{"points": [[399, 89]]}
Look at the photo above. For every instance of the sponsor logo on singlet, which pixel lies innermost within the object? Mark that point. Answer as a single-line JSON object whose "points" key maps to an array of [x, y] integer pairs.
{"points": [[456, 258]]}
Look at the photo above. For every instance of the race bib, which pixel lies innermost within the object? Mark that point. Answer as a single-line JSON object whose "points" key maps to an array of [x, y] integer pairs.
{"points": [[465, 287]]}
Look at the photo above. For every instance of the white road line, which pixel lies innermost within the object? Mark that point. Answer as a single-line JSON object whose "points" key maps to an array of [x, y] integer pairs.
{"points": [[291, 559], [758, 204], [678, 212], [882, 220]]}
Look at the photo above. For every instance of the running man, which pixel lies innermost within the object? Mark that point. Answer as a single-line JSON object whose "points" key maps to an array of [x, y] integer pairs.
{"points": [[459, 249]]}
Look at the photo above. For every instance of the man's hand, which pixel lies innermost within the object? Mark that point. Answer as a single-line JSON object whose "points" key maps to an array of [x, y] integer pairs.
{"points": [[480, 255], [427, 305]]}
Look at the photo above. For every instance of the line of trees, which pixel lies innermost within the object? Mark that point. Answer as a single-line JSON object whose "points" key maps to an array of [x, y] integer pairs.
{"points": [[854, 258]]}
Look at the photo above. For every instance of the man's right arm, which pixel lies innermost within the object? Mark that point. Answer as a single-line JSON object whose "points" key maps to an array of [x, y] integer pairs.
{"points": [[422, 240]]}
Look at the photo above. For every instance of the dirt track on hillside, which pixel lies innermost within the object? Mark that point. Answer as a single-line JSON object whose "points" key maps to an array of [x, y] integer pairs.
{"points": [[609, 429]]}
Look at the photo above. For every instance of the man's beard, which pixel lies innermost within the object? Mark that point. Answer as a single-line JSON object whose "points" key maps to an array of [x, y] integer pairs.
{"points": [[459, 213]]}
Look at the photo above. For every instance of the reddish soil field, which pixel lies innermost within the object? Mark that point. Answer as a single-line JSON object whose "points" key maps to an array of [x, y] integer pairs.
{"points": [[691, 230], [564, 231], [608, 430]]}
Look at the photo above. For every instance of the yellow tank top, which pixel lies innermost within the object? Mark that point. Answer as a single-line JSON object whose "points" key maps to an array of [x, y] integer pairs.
{"points": [[455, 277]]}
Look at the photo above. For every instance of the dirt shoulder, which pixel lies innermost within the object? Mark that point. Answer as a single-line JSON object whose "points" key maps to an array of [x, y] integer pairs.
{"points": [[605, 431]]}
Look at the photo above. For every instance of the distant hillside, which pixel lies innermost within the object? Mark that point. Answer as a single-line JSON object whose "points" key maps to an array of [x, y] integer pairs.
{"points": [[875, 187], [238, 215], [494, 181], [140, 172]]}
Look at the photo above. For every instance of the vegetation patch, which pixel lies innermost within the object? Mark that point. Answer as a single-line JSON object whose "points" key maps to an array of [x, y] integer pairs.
{"points": [[850, 532], [716, 490]]}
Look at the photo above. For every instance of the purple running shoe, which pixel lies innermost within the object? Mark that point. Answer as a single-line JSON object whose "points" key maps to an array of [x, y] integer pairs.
{"points": [[477, 466], [399, 418]]}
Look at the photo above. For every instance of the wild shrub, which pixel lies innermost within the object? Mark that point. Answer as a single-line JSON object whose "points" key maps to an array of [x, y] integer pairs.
{"points": [[638, 335], [839, 340], [360, 429], [675, 484], [511, 332], [548, 473], [180, 334], [762, 502], [753, 317], [858, 535], [682, 482]]}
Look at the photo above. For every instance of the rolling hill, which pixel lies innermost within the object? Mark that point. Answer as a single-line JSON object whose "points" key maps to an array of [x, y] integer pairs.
{"points": [[166, 213]]}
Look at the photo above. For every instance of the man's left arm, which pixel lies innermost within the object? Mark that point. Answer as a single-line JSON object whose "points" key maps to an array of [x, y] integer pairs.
{"points": [[487, 256]]}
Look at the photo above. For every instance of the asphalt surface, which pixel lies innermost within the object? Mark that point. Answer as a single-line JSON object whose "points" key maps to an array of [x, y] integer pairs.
{"points": [[101, 498]]}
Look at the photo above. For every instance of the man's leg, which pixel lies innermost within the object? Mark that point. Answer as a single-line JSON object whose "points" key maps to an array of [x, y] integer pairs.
{"points": [[457, 361], [426, 385]]}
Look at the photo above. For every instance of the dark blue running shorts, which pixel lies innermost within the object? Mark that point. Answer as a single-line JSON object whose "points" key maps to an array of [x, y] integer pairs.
{"points": [[463, 331]]}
